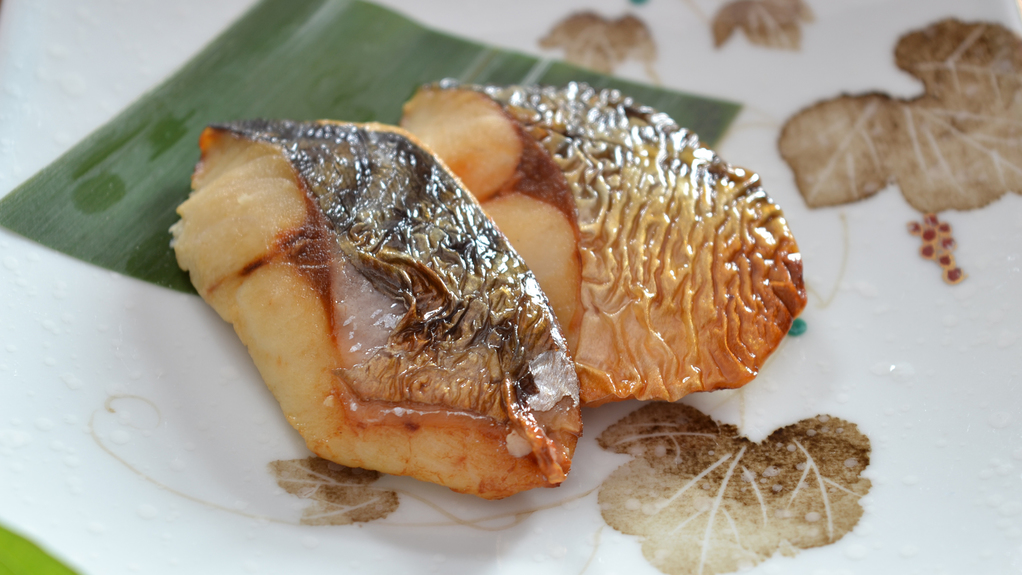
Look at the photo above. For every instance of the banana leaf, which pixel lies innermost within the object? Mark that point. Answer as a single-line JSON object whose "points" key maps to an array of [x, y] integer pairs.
{"points": [[19, 556], [111, 198]]}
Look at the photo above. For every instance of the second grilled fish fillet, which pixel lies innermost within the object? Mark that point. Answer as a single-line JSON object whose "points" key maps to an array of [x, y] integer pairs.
{"points": [[689, 274], [394, 324]]}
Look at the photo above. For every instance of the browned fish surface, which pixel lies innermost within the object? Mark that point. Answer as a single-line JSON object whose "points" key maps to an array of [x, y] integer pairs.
{"points": [[689, 274], [394, 324]]}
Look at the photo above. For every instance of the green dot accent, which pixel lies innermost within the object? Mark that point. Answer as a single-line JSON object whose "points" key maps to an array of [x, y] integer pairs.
{"points": [[798, 327], [638, 1]]}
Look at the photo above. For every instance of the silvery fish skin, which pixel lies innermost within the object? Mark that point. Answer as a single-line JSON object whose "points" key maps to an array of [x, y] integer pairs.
{"points": [[474, 308], [690, 275], [475, 335]]}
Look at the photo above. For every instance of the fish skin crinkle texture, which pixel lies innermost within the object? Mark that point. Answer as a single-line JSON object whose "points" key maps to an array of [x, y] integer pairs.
{"points": [[469, 385], [690, 274]]}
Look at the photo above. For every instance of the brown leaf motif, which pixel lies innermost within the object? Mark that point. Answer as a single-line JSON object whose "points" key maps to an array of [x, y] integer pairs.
{"points": [[705, 500], [957, 146], [770, 23], [339, 495], [595, 42]]}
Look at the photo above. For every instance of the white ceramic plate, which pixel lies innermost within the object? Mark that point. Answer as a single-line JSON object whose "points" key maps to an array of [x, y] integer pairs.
{"points": [[135, 433]]}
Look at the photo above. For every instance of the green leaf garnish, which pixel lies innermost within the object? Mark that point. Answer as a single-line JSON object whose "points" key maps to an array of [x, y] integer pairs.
{"points": [[111, 199], [19, 556]]}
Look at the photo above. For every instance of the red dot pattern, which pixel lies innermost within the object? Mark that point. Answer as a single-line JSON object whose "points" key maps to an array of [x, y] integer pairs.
{"points": [[938, 244]]}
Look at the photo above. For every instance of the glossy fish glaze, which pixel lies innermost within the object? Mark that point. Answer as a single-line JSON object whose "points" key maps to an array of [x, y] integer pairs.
{"points": [[690, 275], [471, 340]]}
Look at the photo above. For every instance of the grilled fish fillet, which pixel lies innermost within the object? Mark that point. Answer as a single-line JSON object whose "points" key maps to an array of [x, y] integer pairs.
{"points": [[689, 276], [392, 321]]}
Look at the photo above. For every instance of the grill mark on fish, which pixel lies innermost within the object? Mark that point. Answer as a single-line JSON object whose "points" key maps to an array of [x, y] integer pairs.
{"points": [[538, 177]]}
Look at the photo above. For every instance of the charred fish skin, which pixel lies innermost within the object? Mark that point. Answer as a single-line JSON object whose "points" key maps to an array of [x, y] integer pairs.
{"points": [[691, 276], [476, 337]]}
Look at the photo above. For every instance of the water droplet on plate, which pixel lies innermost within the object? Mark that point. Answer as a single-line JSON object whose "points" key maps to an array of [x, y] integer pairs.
{"points": [[999, 419], [556, 551], [880, 368], [1010, 509], [1006, 338], [866, 289], [903, 372], [146, 511], [13, 438], [71, 381], [73, 84], [856, 551]]}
